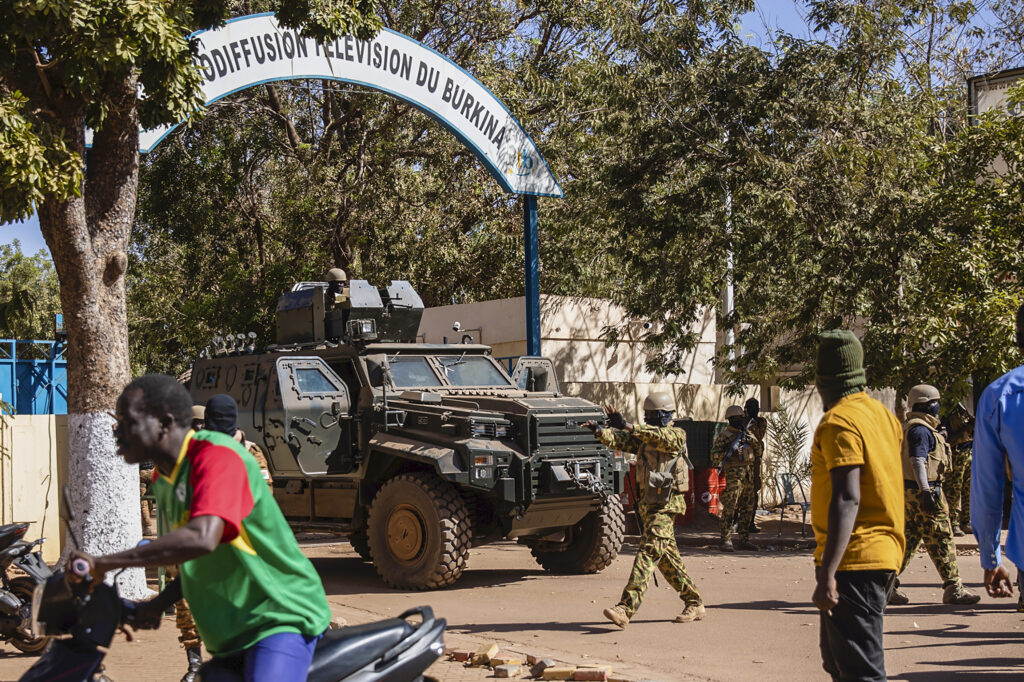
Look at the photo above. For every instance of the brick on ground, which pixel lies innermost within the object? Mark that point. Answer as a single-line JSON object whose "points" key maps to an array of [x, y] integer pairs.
{"points": [[558, 673], [484, 654], [507, 670], [539, 666]]}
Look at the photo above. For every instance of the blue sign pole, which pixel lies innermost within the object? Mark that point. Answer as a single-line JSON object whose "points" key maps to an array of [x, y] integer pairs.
{"points": [[532, 272]]}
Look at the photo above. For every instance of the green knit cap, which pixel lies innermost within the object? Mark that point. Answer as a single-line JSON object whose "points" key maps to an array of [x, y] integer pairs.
{"points": [[839, 370]]}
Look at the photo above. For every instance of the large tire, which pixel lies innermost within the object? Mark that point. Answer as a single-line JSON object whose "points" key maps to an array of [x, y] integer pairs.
{"points": [[419, 532], [23, 588], [596, 541], [360, 542]]}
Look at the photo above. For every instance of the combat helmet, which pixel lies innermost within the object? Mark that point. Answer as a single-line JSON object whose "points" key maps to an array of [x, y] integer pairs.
{"points": [[335, 275], [733, 411], [659, 400], [922, 393]]}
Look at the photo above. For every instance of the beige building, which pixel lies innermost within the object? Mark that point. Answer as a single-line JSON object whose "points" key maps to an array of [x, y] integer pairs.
{"points": [[572, 335], [33, 448]]}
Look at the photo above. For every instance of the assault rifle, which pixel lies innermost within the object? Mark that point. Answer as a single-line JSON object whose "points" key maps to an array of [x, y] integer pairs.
{"points": [[742, 439]]}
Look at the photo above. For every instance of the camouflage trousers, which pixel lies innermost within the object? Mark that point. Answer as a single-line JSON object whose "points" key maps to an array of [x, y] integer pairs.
{"points": [[956, 486], [658, 551], [187, 633], [936, 533], [737, 501]]}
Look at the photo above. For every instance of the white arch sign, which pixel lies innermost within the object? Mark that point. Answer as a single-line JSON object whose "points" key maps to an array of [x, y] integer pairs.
{"points": [[253, 50]]}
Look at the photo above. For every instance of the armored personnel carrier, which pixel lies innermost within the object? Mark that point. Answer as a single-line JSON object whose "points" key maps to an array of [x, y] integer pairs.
{"points": [[416, 451]]}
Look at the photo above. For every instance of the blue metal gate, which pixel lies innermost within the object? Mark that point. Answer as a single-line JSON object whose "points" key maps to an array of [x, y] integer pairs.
{"points": [[34, 376]]}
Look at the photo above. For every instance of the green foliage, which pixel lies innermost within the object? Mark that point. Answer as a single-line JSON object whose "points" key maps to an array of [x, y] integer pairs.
{"points": [[787, 446], [35, 164], [69, 63], [29, 297]]}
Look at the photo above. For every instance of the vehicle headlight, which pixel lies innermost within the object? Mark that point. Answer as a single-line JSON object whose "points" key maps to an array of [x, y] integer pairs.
{"points": [[480, 429], [503, 431]]}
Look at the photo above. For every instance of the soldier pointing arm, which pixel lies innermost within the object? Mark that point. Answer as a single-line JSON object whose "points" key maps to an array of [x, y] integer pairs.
{"points": [[662, 475]]}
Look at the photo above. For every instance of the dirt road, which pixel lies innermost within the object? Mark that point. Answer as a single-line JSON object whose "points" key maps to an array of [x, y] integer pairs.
{"points": [[760, 625]]}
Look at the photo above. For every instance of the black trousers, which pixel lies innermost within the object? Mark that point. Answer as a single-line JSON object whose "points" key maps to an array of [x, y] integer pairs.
{"points": [[851, 634]]}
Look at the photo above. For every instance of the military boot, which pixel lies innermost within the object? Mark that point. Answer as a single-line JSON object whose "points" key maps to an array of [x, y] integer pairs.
{"points": [[691, 613], [617, 615], [898, 597], [746, 545], [195, 660], [966, 527], [726, 546], [957, 595], [957, 532]]}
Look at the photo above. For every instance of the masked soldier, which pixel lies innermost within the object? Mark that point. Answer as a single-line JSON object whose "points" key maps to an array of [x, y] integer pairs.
{"points": [[758, 429], [735, 453], [336, 280], [956, 485], [926, 457], [662, 476]]}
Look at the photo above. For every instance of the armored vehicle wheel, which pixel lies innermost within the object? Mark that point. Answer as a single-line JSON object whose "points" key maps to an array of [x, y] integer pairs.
{"points": [[360, 542], [419, 532], [596, 541]]}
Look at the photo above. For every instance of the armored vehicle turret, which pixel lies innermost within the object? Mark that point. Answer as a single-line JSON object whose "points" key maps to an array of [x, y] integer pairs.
{"points": [[416, 451]]}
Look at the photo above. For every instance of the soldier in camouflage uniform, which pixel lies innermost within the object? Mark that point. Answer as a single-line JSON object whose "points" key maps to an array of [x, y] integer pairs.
{"points": [[659, 449], [956, 485], [926, 457], [759, 429], [736, 458]]}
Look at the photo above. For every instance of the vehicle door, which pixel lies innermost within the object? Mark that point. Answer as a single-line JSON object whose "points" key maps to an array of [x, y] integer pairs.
{"points": [[314, 400]]}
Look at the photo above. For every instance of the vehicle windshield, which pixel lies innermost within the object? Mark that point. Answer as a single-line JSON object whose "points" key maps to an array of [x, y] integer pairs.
{"points": [[460, 370], [407, 372]]}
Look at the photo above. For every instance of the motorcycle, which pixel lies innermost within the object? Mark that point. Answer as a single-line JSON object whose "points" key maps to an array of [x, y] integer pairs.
{"points": [[82, 622], [16, 593]]}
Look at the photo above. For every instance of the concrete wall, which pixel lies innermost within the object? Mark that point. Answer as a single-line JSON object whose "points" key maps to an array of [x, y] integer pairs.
{"points": [[33, 449], [572, 335]]}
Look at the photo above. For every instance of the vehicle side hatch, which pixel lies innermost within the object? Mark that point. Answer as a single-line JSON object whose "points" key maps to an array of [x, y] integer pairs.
{"points": [[313, 401]]}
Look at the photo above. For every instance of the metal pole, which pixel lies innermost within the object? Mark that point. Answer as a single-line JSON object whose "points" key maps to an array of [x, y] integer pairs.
{"points": [[532, 271]]}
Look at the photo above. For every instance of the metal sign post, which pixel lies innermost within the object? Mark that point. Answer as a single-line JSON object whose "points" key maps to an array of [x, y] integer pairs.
{"points": [[532, 271]]}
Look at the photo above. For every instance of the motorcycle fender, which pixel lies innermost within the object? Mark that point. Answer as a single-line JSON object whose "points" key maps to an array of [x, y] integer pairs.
{"points": [[33, 564]]}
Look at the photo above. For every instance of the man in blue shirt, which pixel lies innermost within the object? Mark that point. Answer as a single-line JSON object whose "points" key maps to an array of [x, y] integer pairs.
{"points": [[999, 446]]}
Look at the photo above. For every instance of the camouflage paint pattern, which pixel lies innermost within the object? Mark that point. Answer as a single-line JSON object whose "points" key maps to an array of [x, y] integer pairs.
{"points": [[956, 486], [658, 551], [936, 533]]}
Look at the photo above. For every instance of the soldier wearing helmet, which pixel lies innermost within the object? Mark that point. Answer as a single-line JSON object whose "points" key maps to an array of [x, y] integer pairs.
{"points": [[925, 457], [736, 451], [336, 280], [662, 476]]}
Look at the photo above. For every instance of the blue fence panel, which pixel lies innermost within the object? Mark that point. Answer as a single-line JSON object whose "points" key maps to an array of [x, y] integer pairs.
{"points": [[34, 376]]}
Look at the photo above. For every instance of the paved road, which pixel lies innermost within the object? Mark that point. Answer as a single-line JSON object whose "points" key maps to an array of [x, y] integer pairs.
{"points": [[759, 626]]}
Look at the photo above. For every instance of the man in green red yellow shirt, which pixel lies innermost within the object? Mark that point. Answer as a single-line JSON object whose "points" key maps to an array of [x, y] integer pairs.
{"points": [[258, 603]]}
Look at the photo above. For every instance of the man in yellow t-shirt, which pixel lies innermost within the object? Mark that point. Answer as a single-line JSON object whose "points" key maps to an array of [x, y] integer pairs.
{"points": [[856, 511]]}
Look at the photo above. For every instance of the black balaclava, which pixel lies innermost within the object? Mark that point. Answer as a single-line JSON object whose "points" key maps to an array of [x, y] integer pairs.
{"points": [[931, 407], [737, 422], [222, 414]]}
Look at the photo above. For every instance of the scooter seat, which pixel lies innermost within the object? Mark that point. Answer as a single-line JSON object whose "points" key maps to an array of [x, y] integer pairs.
{"points": [[11, 532], [341, 652]]}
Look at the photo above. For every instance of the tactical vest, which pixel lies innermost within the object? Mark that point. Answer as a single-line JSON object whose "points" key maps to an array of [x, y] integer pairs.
{"points": [[649, 458], [939, 459]]}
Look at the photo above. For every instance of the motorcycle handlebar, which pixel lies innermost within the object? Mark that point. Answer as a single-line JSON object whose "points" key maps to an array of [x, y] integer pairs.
{"points": [[80, 569]]}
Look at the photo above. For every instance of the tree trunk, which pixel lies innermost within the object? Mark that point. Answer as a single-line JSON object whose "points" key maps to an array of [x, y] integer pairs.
{"points": [[88, 237]]}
